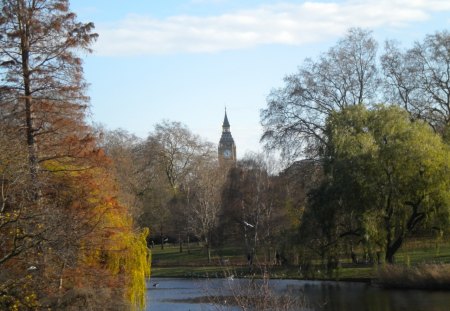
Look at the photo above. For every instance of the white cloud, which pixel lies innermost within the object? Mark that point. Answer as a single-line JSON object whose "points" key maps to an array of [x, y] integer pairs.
{"points": [[290, 24], [207, 1]]}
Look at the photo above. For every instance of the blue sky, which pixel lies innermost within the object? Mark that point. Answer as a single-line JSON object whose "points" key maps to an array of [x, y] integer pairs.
{"points": [[186, 60]]}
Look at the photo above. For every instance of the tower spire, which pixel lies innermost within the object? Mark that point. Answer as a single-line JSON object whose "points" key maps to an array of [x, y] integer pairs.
{"points": [[226, 124], [227, 148]]}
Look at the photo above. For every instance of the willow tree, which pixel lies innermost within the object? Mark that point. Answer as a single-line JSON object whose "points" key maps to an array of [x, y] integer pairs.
{"points": [[41, 72], [389, 173]]}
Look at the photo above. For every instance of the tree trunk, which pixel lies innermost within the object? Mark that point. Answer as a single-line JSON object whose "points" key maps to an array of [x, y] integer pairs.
{"points": [[392, 249], [208, 249], [188, 245], [31, 142], [209, 253], [162, 239]]}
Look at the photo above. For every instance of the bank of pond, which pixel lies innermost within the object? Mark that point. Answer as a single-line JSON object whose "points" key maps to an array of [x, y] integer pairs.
{"points": [[229, 294]]}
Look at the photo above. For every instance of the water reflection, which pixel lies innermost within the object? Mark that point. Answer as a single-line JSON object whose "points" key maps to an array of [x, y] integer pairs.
{"points": [[196, 295]]}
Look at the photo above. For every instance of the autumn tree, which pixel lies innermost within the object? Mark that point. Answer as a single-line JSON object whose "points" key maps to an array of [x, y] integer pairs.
{"points": [[40, 72], [19, 237], [58, 209], [41, 99]]}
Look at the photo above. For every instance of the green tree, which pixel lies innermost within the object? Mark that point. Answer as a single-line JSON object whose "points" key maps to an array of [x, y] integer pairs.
{"points": [[390, 173]]}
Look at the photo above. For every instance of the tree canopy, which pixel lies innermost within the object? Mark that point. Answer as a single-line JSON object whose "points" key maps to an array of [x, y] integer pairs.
{"points": [[351, 73], [387, 171]]}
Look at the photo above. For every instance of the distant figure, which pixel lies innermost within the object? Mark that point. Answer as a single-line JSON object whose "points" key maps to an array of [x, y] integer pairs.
{"points": [[224, 261], [354, 258], [378, 257], [250, 259]]}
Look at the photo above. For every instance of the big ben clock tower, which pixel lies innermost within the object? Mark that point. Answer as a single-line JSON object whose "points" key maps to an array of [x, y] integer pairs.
{"points": [[227, 148]]}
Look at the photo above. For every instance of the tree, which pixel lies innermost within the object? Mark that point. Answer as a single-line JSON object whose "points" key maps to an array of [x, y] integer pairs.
{"points": [[298, 181], [347, 75], [40, 72], [62, 230], [388, 172], [171, 156], [251, 205], [42, 103], [124, 149], [418, 78], [18, 236], [179, 151], [205, 201]]}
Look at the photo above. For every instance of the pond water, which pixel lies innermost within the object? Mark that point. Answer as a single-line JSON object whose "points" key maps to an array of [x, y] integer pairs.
{"points": [[170, 294]]}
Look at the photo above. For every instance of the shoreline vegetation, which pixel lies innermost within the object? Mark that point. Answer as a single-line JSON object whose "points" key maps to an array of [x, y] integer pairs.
{"points": [[420, 266], [423, 277]]}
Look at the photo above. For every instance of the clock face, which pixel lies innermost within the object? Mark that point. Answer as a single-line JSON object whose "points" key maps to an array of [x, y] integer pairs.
{"points": [[227, 153]]}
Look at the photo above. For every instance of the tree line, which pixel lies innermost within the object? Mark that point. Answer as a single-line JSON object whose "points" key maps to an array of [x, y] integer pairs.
{"points": [[366, 142], [366, 139], [185, 196], [377, 127]]}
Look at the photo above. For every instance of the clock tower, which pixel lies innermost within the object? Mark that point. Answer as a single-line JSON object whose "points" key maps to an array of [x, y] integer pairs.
{"points": [[227, 148]]}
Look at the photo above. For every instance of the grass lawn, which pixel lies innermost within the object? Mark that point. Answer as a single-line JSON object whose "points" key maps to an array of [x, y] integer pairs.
{"points": [[170, 262]]}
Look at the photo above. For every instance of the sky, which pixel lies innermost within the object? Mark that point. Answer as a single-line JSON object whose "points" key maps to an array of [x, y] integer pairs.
{"points": [[187, 60]]}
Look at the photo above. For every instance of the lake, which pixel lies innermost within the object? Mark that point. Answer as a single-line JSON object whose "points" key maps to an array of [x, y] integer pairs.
{"points": [[171, 294]]}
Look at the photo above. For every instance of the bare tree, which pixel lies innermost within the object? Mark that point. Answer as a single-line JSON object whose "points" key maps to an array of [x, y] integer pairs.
{"points": [[180, 151], [171, 156], [346, 75], [419, 78], [205, 200], [251, 205], [124, 149]]}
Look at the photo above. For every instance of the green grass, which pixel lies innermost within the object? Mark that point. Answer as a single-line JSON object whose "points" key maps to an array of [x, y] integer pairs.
{"points": [[188, 272], [171, 263]]}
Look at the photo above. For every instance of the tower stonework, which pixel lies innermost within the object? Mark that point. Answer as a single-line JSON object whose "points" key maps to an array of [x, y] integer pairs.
{"points": [[227, 148]]}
